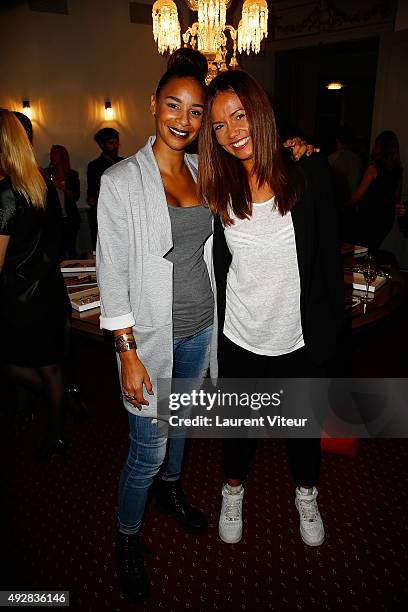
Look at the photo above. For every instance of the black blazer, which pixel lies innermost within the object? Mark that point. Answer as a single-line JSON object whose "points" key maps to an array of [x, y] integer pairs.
{"points": [[319, 260]]}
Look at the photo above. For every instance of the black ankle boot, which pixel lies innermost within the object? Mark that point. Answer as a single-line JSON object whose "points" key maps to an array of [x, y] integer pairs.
{"points": [[134, 582], [170, 499]]}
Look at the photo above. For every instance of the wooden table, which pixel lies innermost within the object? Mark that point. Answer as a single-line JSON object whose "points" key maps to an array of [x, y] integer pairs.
{"points": [[88, 323], [386, 300]]}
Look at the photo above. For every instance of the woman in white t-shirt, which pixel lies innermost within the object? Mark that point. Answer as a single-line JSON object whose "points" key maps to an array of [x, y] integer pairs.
{"points": [[278, 270]]}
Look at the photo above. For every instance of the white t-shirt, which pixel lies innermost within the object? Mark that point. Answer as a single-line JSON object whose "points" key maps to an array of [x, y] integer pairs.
{"points": [[263, 285]]}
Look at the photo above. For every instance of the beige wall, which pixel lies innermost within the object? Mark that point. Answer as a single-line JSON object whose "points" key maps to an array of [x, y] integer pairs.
{"points": [[68, 64]]}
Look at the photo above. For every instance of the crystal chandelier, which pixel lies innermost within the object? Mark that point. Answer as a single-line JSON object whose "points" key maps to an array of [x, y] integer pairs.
{"points": [[209, 33], [166, 26], [253, 26]]}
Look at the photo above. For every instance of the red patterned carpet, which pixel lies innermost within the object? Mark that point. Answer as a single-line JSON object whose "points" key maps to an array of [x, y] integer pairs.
{"points": [[59, 521]]}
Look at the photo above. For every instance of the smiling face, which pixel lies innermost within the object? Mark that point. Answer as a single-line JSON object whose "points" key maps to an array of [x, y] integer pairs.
{"points": [[178, 111], [231, 125]]}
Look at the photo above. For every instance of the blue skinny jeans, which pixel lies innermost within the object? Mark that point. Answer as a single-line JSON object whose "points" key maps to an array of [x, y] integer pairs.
{"points": [[149, 449]]}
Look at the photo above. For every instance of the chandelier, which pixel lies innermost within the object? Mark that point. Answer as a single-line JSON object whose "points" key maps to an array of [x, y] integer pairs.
{"points": [[166, 26], [209, 33]]}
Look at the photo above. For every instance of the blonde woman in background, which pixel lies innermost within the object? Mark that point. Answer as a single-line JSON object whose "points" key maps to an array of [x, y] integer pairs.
{"points": [[34, 306]]}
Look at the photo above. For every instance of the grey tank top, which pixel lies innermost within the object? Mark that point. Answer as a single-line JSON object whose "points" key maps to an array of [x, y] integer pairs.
{"points": [[193, 300]]}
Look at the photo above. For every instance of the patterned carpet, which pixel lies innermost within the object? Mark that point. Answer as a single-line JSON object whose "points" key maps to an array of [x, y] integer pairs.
{"points": [[59, 522]]}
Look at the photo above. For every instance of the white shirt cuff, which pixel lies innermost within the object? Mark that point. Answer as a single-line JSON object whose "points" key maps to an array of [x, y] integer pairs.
{"points": [[111, 323]]}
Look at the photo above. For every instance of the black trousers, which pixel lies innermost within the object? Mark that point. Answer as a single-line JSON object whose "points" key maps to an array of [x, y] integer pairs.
{"points": [[303, 453]]}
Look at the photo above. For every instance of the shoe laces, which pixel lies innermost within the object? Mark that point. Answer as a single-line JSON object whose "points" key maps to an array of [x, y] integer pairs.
{"points": [[233, 507], [309, 509]]}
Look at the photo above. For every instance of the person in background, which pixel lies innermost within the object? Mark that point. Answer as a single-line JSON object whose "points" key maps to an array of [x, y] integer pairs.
{"points": [[278, 268], [346, 165], [26, 123], [66, 182], [108, 141], [379, 193], [73, 395], [346, 170], [33, 296]]}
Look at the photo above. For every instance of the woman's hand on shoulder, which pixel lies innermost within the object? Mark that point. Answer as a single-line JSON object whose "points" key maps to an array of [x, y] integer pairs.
{"points": [[134, 377], [299, 148]]}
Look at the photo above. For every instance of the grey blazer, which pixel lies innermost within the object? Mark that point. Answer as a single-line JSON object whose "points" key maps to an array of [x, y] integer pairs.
{"points": [[135, 281]]}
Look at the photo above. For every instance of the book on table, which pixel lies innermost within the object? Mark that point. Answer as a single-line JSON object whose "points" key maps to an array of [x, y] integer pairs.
{"points": [[357, 281], [353, 249], [85, 299], [78, 265], [81, 280], [89, 314]]}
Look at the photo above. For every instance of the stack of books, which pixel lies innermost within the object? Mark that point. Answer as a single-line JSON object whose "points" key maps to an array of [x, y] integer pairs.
{"points": [[80, 280]]}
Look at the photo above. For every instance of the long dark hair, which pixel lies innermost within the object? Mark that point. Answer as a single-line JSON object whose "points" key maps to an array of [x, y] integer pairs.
{"points": [[386, 150], [223, 181], [65, 162]]}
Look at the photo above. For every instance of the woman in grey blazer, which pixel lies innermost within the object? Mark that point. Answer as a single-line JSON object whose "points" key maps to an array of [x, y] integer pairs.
{"points": [[155, 279]]}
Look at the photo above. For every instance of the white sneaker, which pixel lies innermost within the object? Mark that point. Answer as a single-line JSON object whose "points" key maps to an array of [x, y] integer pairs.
{"points": [[311, 524], [230, 525]]}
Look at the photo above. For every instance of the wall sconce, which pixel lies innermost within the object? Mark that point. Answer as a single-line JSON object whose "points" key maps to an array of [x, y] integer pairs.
{"points": [[333, 85], [108, 110], [27, 109]]}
